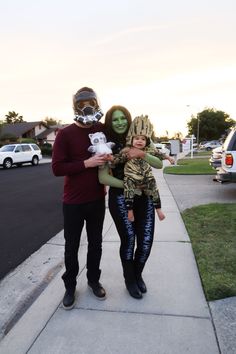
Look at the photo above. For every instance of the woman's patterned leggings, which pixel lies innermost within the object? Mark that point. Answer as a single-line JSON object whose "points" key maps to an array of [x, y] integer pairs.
{"points": [[141, 230]]}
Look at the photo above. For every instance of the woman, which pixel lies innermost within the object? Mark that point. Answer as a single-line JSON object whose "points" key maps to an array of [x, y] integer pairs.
{"points": [[117, 122]]}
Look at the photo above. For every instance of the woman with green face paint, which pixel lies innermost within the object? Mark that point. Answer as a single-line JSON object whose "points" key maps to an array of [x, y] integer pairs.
{"points": [[119, 122], [141, 231]]}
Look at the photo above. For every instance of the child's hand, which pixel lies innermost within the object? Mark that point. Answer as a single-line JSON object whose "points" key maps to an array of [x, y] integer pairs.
{"points": [[109, 157], [171, 160], [130, 215], [160, 214]]}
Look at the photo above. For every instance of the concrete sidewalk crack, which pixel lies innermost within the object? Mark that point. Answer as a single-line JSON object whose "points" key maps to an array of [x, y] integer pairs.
{"points": [[145, 313]]}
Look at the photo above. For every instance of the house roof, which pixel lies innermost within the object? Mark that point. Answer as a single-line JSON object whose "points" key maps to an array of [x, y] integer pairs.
{"points": [[18, 129], [45, 133]]}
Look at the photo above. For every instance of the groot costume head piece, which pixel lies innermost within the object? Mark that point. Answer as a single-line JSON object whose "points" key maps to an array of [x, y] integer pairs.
{"points": [[141, 125]]}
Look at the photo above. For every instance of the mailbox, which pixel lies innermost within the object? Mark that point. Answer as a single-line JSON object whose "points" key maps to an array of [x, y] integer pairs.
{"points": [[174, 146]]}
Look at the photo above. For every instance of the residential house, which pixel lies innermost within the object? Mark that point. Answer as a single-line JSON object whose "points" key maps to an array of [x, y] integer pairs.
{"points": [[33, 130], [47, 136]]}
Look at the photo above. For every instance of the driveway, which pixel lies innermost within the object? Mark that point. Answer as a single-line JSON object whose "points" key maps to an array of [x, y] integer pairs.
{"points": [[193, 190]]}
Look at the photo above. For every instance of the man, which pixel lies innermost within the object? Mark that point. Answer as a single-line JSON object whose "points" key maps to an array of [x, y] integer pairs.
{"points": [[84, 197]]}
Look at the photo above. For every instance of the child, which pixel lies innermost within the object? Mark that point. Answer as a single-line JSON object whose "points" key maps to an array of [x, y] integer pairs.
{"points": [[138, 175]]}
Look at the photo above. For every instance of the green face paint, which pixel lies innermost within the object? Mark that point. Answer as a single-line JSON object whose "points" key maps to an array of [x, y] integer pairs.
{"points": [[119, 122]]}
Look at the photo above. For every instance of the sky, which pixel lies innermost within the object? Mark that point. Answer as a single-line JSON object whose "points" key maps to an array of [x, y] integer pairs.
{"points": [[167, 59]]}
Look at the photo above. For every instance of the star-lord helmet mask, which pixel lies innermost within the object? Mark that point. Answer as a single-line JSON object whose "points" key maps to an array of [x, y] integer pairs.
{"points": [[86, 107]]}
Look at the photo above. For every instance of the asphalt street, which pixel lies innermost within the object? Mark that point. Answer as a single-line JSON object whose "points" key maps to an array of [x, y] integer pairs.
{"points": [[192, 190], [31, 212]]}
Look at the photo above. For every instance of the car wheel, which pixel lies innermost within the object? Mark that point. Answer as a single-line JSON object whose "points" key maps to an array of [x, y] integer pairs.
{"points": [[7, 163], [35, 161], [208, 149]]}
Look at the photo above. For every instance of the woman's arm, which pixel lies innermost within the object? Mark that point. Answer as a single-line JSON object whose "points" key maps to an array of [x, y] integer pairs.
{"points": [[105, 178], [152, 160]]}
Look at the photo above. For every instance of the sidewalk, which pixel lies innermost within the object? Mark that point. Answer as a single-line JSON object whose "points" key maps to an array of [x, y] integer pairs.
{"points": [[47, 159], [173, 317]]}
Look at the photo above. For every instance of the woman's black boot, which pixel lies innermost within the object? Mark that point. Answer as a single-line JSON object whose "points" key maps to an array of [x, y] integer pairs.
{"points": [[133, 290], [138, 266], [141, 285], [130, 279]]}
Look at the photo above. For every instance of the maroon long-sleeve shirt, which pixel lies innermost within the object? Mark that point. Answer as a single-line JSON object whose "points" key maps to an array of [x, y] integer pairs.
{"points": [[70, 149]]}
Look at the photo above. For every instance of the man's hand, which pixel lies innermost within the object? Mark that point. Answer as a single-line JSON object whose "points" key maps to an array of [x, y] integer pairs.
{"points": [[95, 160]]}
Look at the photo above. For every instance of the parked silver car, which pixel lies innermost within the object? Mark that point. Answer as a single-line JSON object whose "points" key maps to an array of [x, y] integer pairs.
{"points": [[210, 145], [18, 154]]}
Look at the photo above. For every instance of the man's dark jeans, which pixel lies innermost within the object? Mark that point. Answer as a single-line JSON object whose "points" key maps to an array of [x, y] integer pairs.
{"points": [[75, 215]]}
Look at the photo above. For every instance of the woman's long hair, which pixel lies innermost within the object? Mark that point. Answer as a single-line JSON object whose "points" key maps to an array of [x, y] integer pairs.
{"points": [[111, 135]]}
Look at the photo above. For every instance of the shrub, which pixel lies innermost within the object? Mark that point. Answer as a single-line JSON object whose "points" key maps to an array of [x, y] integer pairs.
{"points": [[46, 150], [27, 140]]}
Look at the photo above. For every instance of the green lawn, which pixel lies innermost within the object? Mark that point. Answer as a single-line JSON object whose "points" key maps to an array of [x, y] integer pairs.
{"points": [[211, 229], [194, 166], [203, 153]]}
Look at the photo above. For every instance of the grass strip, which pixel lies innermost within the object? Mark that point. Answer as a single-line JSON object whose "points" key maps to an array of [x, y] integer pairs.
{"points": [[211, 229], [194, 166], [200, 153]]}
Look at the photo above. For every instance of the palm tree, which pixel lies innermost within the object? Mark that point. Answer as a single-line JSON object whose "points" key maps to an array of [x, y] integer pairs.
{"points": [[12, 117]]}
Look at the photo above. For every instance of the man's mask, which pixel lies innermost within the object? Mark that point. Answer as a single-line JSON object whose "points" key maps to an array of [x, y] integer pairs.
{"points": [[89, 112], [89, 115]]}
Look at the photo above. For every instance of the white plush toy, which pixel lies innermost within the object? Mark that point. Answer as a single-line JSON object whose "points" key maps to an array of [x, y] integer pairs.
{"points": [[100, 144]]}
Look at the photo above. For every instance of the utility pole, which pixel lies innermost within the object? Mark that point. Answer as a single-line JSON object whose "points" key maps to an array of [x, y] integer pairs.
{"points": [[198, 132]]}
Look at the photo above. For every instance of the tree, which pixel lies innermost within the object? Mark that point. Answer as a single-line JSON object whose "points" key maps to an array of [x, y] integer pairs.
{"points": [[12, 117], [210, 124], [178, 135], [159, 139], [51, 121], [1, 126]]}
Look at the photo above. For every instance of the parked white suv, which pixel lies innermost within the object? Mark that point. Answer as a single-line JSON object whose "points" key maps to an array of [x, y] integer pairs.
{"points": [[227, 171], [18, 154]]}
